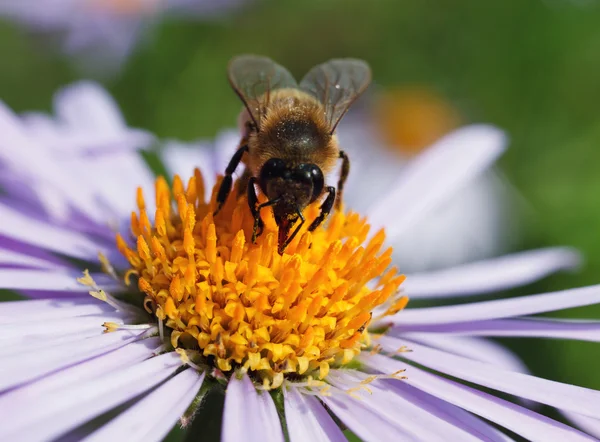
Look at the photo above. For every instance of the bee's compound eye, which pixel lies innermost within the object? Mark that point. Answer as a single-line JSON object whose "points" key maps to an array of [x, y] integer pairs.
{"points": [[274, 168], [318, 182], [313, 173]]}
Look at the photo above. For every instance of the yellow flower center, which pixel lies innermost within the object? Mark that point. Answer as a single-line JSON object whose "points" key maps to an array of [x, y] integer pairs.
{"points": [[242, 305], [412, 119]]}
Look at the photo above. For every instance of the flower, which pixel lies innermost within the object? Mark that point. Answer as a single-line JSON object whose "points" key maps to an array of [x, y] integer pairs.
{"points": [[186, 304], [104, 32]]}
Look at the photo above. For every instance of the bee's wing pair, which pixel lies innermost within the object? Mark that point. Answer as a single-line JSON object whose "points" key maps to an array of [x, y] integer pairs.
{"points": [[336, 84]]}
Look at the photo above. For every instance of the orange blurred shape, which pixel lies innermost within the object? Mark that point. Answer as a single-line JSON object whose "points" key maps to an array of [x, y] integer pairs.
{"points": [[125, 7], [410, 119]]}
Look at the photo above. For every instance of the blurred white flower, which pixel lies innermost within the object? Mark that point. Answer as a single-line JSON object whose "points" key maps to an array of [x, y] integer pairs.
{"points": [[471, 220]]}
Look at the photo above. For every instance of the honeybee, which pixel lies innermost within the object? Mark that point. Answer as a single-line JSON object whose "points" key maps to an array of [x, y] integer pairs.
{"points": [[288, 142]]}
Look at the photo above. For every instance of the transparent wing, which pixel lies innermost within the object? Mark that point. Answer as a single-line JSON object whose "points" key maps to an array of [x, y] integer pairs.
{"points": [[337, 84], [253, 78]]}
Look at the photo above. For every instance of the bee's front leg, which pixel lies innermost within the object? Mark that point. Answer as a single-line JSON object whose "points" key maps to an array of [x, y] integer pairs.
{"points": [[259, 225], [289, 239], [325, 208], [225, 187]]}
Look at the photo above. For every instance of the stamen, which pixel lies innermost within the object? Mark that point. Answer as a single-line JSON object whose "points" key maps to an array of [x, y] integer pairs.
{"points": [[161, 329], [243, 305], [342, 378], [113, 326], [185, 358], [107, 266], [102, 295], [310, 386], [161, 349]]}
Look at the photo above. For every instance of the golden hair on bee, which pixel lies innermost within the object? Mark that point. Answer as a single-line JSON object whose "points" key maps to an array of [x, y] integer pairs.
{"points": [[293, 128], [288, 141]]}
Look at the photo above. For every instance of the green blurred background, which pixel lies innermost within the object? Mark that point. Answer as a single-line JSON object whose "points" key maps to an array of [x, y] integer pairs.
{"points": [[530, 67]]}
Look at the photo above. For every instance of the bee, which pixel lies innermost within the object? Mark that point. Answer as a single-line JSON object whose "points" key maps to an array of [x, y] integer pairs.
{"points": [[288, 143]]}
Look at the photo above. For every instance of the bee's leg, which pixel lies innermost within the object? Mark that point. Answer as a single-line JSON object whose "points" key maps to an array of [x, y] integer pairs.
{"points": [[253, 202], [343, 177], [295, 232], [325, 208], [255, 209], [242, 182], [225, 187]]}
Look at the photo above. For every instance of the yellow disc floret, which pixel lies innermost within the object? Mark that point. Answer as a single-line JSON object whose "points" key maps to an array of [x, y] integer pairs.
{"points": [[242, 305]]}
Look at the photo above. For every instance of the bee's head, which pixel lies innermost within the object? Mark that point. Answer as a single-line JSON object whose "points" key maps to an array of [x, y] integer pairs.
{"points": [[293, 187]]}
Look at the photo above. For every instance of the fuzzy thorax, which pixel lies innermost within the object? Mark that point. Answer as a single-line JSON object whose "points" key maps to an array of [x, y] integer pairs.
{"points": [[293, 128]]}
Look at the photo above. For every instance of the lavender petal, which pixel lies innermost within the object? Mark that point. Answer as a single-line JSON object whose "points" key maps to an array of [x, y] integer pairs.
{"points": [[9, 258], [32, 279], [502, 308], [307, 419], [81, 372], [120, 174], [562, 396], [445, 410], [42, 234], [473, 348], [587, 424], [70, 407], [46, 310], [19, 369], [22, 335], [491, 275], [58, 188], [527, 423], [398, 408], [87, 120], [367, 424], [453, 161], [581, 330], [85, 105], [249, 415], [154, 416]]}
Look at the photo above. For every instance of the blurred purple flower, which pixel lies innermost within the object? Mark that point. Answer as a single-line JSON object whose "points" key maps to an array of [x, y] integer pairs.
{"points": [[102, 33], [60, 371]]}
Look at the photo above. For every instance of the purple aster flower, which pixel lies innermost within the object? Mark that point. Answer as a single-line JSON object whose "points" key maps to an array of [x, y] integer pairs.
{"points": [[137, 329], [104, 32]]}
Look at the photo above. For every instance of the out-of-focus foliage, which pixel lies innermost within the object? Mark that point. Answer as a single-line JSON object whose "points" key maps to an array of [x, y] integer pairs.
{"points": [[529, 66]]}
